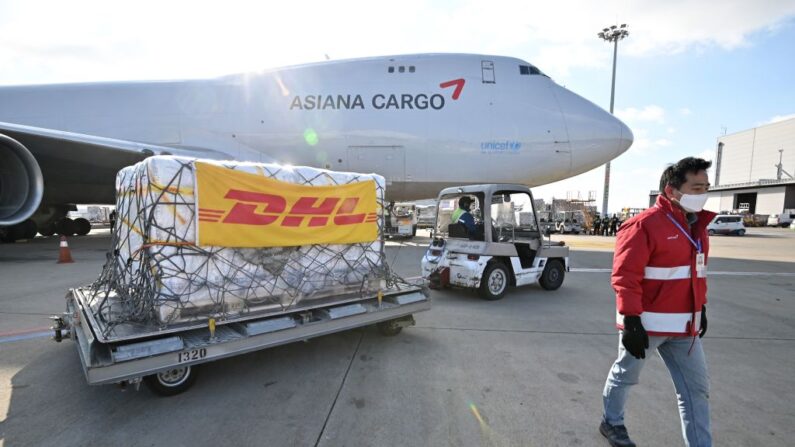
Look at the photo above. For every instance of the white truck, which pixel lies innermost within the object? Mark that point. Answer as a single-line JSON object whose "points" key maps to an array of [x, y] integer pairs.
{"points": [[782, 220]]}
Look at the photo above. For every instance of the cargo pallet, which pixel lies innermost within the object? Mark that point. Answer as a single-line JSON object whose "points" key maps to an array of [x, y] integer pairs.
{"points": [[166, 361]]}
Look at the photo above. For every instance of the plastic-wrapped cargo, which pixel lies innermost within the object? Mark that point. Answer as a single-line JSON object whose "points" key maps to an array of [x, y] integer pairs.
{"points": [[158, 274]]}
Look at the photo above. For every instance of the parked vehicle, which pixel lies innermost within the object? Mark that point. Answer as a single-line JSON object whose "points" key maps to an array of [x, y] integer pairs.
{"points": [[426, 216], [782, 220], [401, 220], [567, 226], [726, 224]]}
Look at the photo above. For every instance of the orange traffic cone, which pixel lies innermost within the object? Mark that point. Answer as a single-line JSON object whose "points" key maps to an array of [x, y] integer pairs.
{"points": [[65, 256]]}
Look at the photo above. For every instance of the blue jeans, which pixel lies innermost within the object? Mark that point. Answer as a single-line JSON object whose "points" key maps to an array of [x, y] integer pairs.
{"points": [[690, 377]]}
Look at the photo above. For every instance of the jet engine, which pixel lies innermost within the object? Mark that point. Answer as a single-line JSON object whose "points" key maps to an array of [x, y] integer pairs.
{"points": [[21, 182]]}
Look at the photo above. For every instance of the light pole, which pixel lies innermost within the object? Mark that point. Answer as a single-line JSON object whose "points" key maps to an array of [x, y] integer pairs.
{"points": [[612, 34]]}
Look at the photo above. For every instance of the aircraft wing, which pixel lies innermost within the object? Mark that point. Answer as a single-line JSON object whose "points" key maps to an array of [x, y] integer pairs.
{"points": [[80, 168]]}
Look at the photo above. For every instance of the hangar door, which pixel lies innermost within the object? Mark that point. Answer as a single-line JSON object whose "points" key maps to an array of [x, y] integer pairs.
{"points": [[745, 202]]}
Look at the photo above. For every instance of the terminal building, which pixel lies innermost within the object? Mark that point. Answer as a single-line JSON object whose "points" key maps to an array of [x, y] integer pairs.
{"points": [[754, 171]]}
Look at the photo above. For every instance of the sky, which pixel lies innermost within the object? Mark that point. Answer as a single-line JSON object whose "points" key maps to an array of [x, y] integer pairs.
{"points": [[688, 72]]}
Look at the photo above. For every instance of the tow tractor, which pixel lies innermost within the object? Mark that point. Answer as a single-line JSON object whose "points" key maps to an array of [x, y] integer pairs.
{"points": [[507, 248]]}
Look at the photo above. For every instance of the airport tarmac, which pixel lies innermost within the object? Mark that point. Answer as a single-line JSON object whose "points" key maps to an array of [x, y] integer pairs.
{"points": [[527, 370]]}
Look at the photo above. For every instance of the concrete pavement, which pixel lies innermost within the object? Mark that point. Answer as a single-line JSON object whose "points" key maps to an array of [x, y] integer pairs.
{"points": [[526, 370]]}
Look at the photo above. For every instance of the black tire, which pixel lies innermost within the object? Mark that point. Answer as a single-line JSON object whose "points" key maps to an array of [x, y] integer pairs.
{"points": [[82, 226], [388, 328], [553, 275], [22, 230], [29, 229], [6, 235], [65, 227], [494, 282], [48, 229], [740, 232], [173, 381], [711, 232]]}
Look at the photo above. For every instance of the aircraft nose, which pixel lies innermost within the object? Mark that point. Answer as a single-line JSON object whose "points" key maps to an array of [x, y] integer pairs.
{"points": [[595, 136], [626, 139]]}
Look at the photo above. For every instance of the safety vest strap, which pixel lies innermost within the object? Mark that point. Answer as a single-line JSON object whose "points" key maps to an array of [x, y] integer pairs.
{"points": [[456, 215], [665, 322], [670, 273]]}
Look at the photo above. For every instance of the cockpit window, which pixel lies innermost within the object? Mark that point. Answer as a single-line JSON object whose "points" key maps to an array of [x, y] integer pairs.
{"points": [[529, 70]]}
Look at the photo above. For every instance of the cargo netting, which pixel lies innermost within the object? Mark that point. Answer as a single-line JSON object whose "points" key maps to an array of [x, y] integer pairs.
{"points": [[156, 275]]}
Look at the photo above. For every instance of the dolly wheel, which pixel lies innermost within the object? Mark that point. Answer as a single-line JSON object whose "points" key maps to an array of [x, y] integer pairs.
{"points": [[389, 328], [552, 277], [172, 381]]}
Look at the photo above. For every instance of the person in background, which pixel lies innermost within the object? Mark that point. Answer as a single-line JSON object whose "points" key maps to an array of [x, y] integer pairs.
{"points": [[112, 218], [613, 225], [660, 280]]}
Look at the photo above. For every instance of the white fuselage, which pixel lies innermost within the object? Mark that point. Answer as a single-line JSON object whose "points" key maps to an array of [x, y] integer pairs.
{"points": [[354, 115]]}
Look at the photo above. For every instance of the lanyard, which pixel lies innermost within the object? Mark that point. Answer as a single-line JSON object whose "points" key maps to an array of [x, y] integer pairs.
{"points": [[687, 234]]}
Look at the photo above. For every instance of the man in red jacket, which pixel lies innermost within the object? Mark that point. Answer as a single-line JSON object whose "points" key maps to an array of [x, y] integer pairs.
{"points": [[659, 275]]}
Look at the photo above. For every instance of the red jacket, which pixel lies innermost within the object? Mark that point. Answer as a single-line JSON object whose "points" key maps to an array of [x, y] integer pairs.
{"points": [[654, 270]]}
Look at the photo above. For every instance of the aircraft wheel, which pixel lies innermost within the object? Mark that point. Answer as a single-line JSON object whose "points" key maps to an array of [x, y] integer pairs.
{"points": [[65, 227], [494, 282], [48, 229], [82, 226], [7, 235], [23, 230], [173, 381], [552, 277], [28, 229]]}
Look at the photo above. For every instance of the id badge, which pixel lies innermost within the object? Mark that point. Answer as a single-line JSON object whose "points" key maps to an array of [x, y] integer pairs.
{"points": [[701, 265]]}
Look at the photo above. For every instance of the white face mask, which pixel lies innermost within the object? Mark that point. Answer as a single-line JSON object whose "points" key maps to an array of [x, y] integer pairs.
{"points": [[693, 203]]}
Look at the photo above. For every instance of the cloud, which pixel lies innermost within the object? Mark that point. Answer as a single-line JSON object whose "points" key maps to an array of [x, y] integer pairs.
{"points": [[779, 118], [101, 40], [709, 155], [646, 143], [684, 111], [662, 142], [650, 113]]}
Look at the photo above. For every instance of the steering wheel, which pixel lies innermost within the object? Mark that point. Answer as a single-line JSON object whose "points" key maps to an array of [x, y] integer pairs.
{"points": [[500, 237]]}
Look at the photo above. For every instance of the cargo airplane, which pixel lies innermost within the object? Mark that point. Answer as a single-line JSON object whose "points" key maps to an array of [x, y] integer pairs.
{"points": [[424, 122]]}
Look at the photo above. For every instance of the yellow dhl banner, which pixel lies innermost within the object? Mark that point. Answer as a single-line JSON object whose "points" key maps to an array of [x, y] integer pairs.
{"points": [[238, 209]]}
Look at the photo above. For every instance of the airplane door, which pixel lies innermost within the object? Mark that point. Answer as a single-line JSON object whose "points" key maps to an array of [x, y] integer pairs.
{"points": [[487, 68], [389, 161]]}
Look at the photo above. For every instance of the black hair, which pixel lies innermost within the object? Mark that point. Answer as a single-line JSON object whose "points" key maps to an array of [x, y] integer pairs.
{"points": [[675, 174], [464, 202]]}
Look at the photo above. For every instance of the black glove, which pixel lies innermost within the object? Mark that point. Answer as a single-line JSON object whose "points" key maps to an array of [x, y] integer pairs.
{"points": [[703, 329], [634, 338]]}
